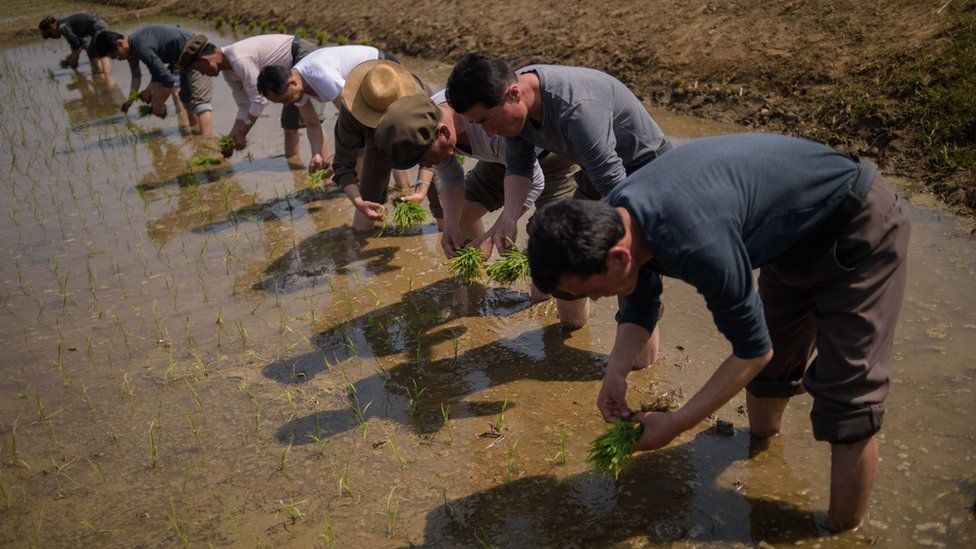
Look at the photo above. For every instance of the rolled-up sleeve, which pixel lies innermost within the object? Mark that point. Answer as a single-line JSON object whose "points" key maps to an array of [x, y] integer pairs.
{"points": [[520, 157], [590, 128], [450, 172], [348, 140], [538, 185], [69, 35], [643, 306]]}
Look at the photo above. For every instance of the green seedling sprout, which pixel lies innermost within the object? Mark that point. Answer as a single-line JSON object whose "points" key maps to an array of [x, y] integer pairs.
{"points": [[414, 397], [218, 22], [153, 452], [201, 161], [144, 111], [294, 513], [512, 268], [407, 215], [342, 40], [611, 451], [320, 38], [510, 461], [64, 63], [468, 264], [226, 143], [175, 521], [316, 179], [282, 29]]}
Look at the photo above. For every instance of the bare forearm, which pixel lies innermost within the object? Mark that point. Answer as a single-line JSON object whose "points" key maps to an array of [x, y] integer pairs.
{"points": [[730, 378], [629, 341], [516, 191]]}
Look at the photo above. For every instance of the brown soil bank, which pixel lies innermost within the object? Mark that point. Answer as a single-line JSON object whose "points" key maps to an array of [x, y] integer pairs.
{"points": [[892, 79]]}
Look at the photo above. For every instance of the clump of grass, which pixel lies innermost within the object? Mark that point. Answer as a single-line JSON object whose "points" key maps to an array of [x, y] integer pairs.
{"points": [[316, 178], [342, 40], [468, 264], [282, 29], [512, 268], [611, 451], [320, 38], [407, 215], [263, 26], [201, 161], [301, 33], [226, 143], [144, 111], [218, 22], [364, 42], [233, 24]]}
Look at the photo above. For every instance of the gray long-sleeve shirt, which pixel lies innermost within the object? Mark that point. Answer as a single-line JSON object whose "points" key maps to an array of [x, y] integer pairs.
{"points": [[157, 46], [714, 209], [591, 118], [78, 26]]}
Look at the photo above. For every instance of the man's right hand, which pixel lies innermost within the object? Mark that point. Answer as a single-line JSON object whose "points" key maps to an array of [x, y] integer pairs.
{"points": [[372, 210], [451, 241], [126, 105], [612, 400]]}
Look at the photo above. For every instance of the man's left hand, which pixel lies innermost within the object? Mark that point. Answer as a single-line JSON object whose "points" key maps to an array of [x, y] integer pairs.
{"points": [[160, 110], [504, 233], [659, 430]]}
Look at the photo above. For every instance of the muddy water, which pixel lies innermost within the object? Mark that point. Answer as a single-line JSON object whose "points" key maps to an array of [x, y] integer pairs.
{"points": [[210, 355]]}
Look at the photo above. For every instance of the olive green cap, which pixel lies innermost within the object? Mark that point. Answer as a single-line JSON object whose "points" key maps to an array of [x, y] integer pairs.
{"points": [[407, 130], [190, 53]]}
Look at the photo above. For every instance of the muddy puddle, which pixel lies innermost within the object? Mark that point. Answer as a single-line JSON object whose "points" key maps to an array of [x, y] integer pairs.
{"points": [[209, 355]]}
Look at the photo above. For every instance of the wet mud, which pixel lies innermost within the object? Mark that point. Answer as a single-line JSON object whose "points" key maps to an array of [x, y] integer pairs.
{"points": [[209, 355]]}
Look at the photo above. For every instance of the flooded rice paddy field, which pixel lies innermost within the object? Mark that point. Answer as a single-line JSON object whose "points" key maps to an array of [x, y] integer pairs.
{"points": [[209, 355]]}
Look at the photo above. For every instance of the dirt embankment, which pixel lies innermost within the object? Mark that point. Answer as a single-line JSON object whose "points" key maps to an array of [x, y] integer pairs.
{"points": [[892, 79]]}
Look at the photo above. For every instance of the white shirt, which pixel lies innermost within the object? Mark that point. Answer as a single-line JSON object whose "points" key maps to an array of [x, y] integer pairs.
{"points": [[246, 59], [325, 70], [486, 149]]}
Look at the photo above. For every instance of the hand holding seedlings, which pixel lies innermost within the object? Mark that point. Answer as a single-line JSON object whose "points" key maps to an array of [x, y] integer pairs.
{"points": [[468, 264], [512, 268], [611, 451], [227, 144], [317, 163], [371, 210], [316, 179]]}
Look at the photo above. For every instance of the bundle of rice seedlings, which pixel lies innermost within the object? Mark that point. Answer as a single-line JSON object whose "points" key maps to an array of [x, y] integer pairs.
{"points": [[226, 143], [468, 264], [134, 95], [611, 451], [407, 214], [205, 161], [316, 179], [64, 63], [144, 111], [512, 268]]}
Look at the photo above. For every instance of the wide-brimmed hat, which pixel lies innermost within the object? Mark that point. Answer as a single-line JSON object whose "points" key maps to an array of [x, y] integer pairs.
{"points": [[190, 53], [373, 86]]}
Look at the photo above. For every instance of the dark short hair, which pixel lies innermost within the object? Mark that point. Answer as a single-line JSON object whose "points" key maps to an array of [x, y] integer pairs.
{"points": [[571, 237], [478, 78], [207, 50], [273, 79], [105, 43], [47, 22]]}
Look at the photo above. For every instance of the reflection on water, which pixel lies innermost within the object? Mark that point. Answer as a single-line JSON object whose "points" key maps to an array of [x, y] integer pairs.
{"points": [[211, 352]]}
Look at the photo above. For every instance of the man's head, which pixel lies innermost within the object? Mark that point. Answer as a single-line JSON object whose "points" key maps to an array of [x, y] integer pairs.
{"points": [[486, 91], [196, 46], [581, 248], [49, 27], [413, 132], [209, 61], [280, 85], [112, 44]]}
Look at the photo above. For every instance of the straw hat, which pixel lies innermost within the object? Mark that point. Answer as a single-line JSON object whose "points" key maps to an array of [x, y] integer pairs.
{"points": [[373, 86]]}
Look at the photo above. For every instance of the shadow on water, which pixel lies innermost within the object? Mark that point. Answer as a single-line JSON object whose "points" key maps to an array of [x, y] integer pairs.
{"points": [[443, 383], [316, 259], [283, 207], [661, 497]]}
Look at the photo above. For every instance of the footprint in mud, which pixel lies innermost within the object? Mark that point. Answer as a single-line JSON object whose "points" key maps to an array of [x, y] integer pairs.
{"points": [[668, 531]]}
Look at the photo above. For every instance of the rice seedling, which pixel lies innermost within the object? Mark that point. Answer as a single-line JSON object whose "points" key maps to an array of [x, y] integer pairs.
{"points": [[446, 413], [202, 161], [512, 268], [127, 386], [561, 454], [226, 143], [611, 451], [343, 479], [98, 469], [193, 428], [153, 451], [468, 264], [396, 450], [218, 22], [510, 461], [41, 414], [263, 26], [329, 535], [500, 421], [233, 24], [175, 521], [407, 214], [5, 492], [320, 38], [316, 179], [282, 457], [300, 33], [144, 111], [414, 397], [361, 416], [282, 29], [293, 511], [342, 40], [251, 25], [391, 513], [64, 63]]}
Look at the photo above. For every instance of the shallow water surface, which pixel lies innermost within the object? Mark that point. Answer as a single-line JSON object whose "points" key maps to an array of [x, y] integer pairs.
{"points": [[210, 355]]}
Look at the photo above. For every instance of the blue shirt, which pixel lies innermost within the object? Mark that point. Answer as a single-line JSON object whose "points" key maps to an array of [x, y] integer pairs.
{"points": [[158, 46], [714, 209]]}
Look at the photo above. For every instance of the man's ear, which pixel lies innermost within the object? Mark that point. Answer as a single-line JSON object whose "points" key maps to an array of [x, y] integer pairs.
{"points": [[618, 255], [513, 93]]}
